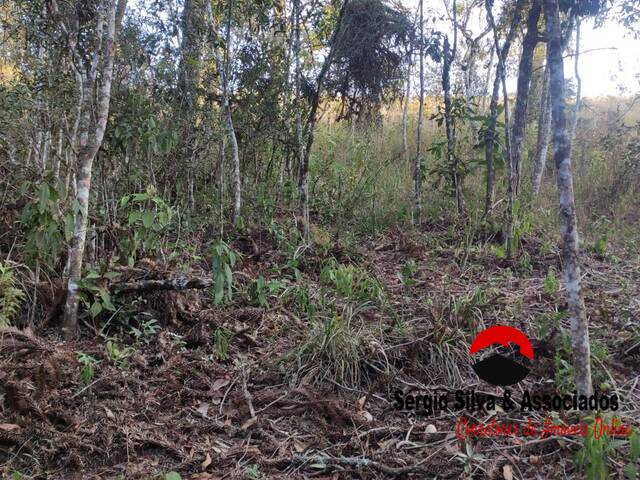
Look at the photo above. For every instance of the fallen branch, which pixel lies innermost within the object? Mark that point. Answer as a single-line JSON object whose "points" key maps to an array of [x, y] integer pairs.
{"points": [[355, 462], [179, 283]]}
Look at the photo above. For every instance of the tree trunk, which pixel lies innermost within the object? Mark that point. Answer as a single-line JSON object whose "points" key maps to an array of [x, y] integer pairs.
{"points": [[222, 68], [449, 122], [568, 223], [235, 154], [189, 75], [405, 113], [576, 110], [485, 88], [417, 170], [524, 81], [298, 109], [90, 142], [303, 173], [501, 54], [452, 161], [544, 126]]}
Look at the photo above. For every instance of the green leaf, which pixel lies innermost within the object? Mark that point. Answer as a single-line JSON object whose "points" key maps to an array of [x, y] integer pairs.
{"points": [[96, 308], [140, 197], [631, 471], [43, 199], [147, 218], [133, 217], [634, 440], [228, 274], [106, 300], [172, 476], [219, 288]]}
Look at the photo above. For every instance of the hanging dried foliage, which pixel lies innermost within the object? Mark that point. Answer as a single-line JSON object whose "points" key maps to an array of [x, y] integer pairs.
{"points": [[375, 39]]}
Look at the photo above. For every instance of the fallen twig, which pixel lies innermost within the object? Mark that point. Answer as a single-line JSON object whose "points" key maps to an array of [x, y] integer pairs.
{"points": [[356, 462]]}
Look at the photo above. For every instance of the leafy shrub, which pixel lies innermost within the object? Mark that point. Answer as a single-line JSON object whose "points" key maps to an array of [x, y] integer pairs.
{"points": [[45, 232], [119, 357], [407, 273], [221, 340], [148, 217], [551, 283], [10, 296], [94, 294], [146, 331], [596, 451], [351, 282], [224, 259], [88, 367]]}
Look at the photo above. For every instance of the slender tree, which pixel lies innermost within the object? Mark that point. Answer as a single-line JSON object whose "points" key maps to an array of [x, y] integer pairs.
{"points": [[297, 100], [92, 76], [417, 170], [222, 67], [501, 54], [543, 135], [525, 68], [487, 79], [501, 76], [448, 57], [189, 75], [568, 222], [405, 112], [303, 174], [576, 109]]}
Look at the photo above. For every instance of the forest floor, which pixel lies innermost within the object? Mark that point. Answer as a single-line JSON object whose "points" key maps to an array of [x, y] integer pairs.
{"points": [[278, 397]]}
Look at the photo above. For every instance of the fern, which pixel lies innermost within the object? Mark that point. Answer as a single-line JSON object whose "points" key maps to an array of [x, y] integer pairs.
{"points": [[10, 296]]}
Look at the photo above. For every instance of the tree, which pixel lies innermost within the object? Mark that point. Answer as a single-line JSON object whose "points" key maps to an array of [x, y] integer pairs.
{"points": [[490, 134], [417, 170], [544, 125], [448, 56], [576, 108], [514, 143], [222, 67], [568, 222], [91, 76], [405, 112], [189, 77], [298, 101], [524, 81], [303, 175]]}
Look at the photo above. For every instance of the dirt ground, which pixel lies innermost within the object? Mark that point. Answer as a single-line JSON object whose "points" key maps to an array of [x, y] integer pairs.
{"points": [[173, 402]]}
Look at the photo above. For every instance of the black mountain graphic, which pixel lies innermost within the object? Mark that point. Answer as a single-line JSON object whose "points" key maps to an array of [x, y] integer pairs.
{"points": [[499, 370]]}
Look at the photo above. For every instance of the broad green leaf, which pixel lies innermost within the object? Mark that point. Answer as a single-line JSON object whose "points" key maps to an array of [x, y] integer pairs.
{"points": [[147, 218], [634, 440], [133, 217], [96, 308], [106, 300]]}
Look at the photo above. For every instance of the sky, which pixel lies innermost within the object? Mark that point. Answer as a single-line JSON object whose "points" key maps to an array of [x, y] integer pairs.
{"points": [[610, 64], [605, 72]]}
